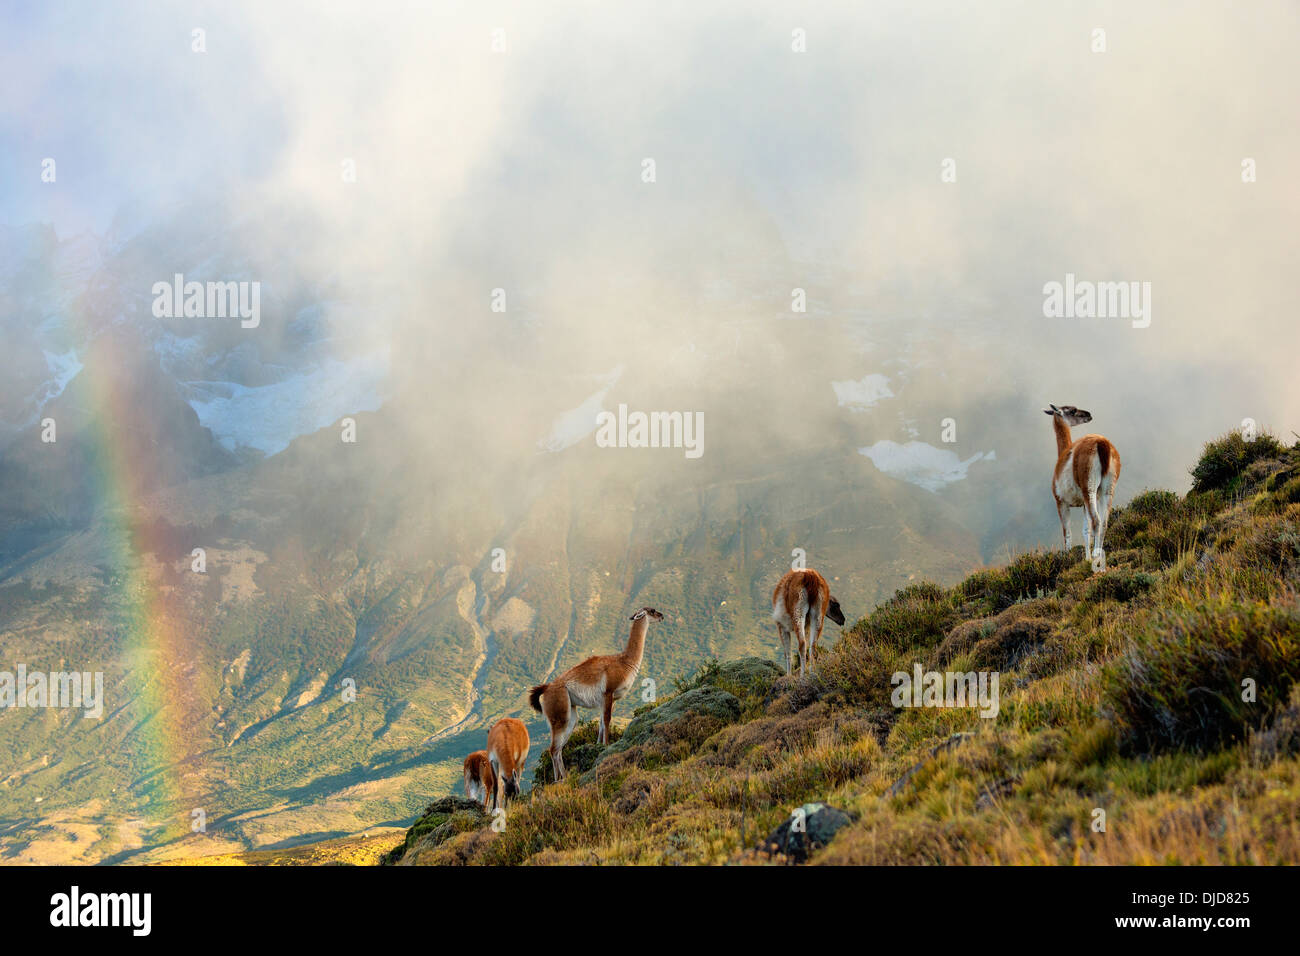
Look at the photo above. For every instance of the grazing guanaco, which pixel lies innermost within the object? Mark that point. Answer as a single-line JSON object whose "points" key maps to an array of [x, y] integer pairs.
{"points": [[507, 751], [480, 781], [801, 600], [1086, 473], [597, 680]]}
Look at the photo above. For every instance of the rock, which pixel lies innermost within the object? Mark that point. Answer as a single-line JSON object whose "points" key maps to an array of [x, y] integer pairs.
{"points": [[441, 820], [809, 828], [708, 700], [451, 804], [704, 701], [755, 674]]}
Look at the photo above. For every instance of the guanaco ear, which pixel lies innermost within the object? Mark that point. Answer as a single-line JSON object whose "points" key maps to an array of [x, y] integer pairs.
{"points": [[638, 615], [1048, 411]]}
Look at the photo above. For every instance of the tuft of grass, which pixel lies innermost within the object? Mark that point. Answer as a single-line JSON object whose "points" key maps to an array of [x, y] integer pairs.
{"points": [[1181, 683], [553, 818], [581, 751]]}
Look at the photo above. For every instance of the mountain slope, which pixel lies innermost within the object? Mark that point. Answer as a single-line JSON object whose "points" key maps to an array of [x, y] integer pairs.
{"points": [[1124, 732], [321, 570]]}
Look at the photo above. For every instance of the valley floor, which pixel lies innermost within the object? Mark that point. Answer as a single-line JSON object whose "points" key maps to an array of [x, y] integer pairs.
{"points": [[364, 850]]}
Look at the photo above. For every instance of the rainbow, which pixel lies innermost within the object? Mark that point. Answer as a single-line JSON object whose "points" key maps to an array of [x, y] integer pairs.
{"points": [[156, 651]]}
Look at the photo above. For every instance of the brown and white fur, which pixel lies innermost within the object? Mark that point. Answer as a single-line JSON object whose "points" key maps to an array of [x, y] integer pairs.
{"points": [[596, 682], [800, 604], [480, 781], [1086, 473], [507, 751]]}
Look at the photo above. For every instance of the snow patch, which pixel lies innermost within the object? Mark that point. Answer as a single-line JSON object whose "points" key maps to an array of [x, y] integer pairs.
{"points": [[921, 464], [268, 417], [63, 368], [573, 426], [861, 395]]}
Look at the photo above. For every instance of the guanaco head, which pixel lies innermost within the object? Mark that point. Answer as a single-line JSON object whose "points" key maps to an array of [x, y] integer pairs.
{"points": [[647, 612], [512, 786], [1072, 416], [834, 613]]}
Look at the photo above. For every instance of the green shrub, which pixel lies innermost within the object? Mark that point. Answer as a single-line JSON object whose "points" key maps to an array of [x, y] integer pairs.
{"points": [[1162, 523], [1180, 684], [918, 615], [1127, 524], [1031, 575], [1283, 477], [1224, 460], [1289, 493], [1118, 585], [861, 670]]}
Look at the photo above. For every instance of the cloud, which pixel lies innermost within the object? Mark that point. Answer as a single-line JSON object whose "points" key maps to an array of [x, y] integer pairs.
{"points": [[821, 170]]}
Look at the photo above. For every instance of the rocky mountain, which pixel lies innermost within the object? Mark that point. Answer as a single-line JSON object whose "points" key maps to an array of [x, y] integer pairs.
{"points": [[311, 582]]}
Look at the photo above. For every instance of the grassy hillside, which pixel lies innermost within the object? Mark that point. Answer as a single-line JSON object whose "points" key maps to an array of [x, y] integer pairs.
{"points": [[1123, 735]]}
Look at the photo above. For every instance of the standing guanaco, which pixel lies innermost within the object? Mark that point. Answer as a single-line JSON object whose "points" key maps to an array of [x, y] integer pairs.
{"points": [[801, 600], [1085, 476], [480, 781], [507, 751], [595, 682]]}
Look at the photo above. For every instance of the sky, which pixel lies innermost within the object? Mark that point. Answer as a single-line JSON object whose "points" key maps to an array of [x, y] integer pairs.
{"points": [[521, 167]]}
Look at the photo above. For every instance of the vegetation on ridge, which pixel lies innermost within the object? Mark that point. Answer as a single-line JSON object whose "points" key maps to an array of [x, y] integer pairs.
{"points": [[1149, 714]]}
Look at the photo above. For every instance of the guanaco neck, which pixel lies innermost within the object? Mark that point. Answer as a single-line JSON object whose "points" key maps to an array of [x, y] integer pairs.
{"points": [[636, 642], [1062, 435]]}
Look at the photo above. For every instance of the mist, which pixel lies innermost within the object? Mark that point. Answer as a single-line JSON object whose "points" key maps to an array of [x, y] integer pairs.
{"points": [[410, 167]]}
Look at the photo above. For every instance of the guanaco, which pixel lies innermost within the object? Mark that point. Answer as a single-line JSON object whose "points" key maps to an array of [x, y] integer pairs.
{"points": [[1085, 476], [507, 751], [480, 781], [801, 600], [597, 680]]}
